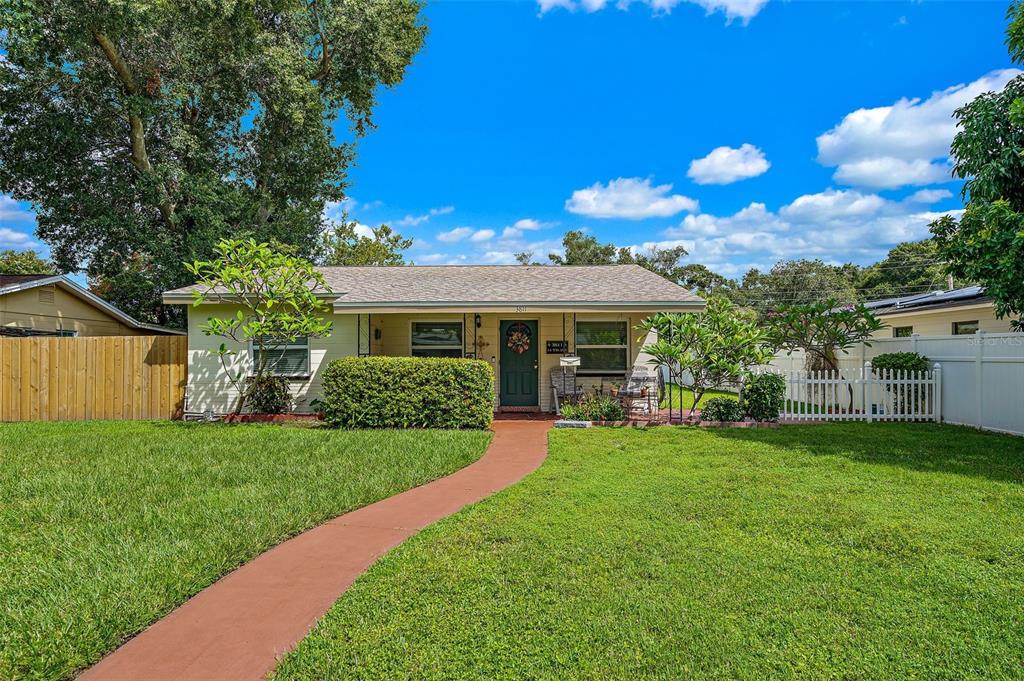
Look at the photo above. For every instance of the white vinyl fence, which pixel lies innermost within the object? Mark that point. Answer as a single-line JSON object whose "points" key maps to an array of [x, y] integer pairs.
{"points": [[982, 376], [871, 395]]}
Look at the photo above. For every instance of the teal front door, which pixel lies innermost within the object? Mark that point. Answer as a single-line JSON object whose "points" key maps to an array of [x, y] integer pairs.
{"points": [[518, 381]]}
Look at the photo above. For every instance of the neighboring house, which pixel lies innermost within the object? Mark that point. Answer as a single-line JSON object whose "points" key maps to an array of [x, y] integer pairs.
{"points": [[939, 313], [520, 319], [54, 305]]}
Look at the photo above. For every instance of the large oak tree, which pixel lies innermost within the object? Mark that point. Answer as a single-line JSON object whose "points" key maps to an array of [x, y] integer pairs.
{"points": [[143, 132]]}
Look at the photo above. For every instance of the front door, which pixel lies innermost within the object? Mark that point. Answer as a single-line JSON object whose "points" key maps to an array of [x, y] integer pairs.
{"points": [[518, 380]]}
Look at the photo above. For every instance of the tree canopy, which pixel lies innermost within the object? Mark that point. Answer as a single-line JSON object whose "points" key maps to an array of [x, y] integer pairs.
{"points": [[24, 262], [910, 267], [345, 246], [791, 282], [986, 244], [143, 132]]}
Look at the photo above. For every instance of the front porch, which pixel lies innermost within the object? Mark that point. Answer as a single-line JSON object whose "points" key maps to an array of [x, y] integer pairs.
{"points": [[524, 348]]}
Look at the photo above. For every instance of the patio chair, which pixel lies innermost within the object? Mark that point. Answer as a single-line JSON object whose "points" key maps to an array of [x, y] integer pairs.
{"points": [[563, 386], [639, 392]]}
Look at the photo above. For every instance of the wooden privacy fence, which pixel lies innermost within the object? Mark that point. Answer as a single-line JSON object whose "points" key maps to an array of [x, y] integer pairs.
{"points": [[866, 395], [98, 377]]}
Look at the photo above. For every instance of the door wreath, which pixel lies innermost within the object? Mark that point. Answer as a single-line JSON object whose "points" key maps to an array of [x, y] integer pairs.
{"points": [[518, 337]]}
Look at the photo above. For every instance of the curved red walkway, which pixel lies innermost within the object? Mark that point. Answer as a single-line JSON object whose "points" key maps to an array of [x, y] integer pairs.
{"points": [[240, 626]]}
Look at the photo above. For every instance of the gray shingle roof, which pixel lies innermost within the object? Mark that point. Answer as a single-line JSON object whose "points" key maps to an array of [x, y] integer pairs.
{"points": [[498, 284]]}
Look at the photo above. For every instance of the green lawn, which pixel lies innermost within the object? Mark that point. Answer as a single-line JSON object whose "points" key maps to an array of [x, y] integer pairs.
{"points": [[106, 526], [841, 550], [681, 396]]}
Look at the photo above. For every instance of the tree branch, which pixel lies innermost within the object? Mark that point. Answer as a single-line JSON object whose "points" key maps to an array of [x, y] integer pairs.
{"points": [[136, 129]]}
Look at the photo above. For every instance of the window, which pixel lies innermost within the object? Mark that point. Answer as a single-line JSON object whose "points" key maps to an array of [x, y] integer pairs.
{"points": [[288, 358], [902, 331], [66, 333], [965, 328], [437, 339], [603, 347]]}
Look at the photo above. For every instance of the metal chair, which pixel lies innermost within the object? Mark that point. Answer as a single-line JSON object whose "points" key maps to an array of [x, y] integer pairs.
{"points": [[564, 386]]}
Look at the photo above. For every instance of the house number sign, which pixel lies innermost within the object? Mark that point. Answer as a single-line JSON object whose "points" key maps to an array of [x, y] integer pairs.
{"points": [[557, 347]]}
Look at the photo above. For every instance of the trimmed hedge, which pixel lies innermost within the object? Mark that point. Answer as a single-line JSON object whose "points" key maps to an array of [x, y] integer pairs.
{"points": [[408, 392], [900, 361]]}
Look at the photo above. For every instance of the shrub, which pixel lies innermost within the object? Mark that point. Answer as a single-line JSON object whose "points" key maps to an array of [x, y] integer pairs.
{"points": [[905, 399], [594, 409], [764, 395], [408, 392], [267, 394], [900, 361], [721, 409]]}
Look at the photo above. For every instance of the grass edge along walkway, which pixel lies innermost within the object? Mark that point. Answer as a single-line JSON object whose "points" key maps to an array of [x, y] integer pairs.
{"points": [[107, 526], [237, 628]]}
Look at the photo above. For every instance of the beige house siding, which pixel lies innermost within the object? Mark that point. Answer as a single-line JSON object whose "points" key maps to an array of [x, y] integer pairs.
{"points": [[208, 384], [50, 308], [389, 335], [940, 322]]}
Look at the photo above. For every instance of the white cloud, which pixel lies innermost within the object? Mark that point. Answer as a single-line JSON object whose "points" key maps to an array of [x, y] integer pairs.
{"points": [[11, 211], [463, 233], [889, 173], [453, 235], [629, 197], [833, 205], [517, 229], [834, 225], [364, 230], [725, 165], [414, 220], [10, 237], [744, 10], [929, 196], [906, 143]]}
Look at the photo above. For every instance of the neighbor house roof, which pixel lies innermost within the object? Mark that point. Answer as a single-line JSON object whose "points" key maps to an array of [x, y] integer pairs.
{"points": [[497, 286], [13, 283], [971, 295]]}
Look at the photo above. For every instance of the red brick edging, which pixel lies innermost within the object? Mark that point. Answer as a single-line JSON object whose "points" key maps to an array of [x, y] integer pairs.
{"points": [[240, 626]]}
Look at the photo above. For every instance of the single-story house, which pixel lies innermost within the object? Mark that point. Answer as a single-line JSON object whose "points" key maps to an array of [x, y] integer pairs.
{"points": [[54, 305], [958, 312], [520, 319]]}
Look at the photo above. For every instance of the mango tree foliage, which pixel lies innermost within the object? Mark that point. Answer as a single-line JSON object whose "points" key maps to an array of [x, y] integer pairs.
{"points": [[719, 346], [277, 297], [986, 244], [143, 132]]}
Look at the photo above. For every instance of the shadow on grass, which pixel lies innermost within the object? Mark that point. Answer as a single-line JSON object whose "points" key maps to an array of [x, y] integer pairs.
{"points": [[916, 446]]}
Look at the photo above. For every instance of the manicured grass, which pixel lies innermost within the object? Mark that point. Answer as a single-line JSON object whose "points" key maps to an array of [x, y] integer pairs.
{"points": [[841, 550], [683, 397], [106, 526]]}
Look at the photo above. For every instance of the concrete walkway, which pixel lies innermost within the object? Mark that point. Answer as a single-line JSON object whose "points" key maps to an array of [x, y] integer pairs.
{"points": [[240, 626]]}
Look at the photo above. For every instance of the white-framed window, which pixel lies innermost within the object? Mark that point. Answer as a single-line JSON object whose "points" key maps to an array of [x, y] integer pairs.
{"points": [[602, 346], [436, 339], [286, 358], [902, 331]]}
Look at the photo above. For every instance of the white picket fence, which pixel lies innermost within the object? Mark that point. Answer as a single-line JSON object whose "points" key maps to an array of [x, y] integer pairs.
{"points": [[982, 374], [864, 395]]}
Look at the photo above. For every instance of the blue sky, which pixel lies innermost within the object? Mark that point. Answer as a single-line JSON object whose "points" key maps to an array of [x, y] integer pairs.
{"points": [[747, 130]]}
